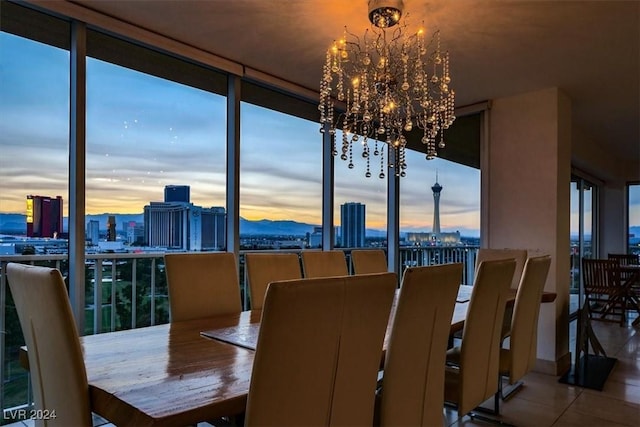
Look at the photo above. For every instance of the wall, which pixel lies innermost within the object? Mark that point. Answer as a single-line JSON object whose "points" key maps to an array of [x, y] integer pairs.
{"points": [[526, 175]]}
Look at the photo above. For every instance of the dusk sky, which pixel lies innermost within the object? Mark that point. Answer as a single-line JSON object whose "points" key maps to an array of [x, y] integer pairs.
{"points": [[144, 133]]}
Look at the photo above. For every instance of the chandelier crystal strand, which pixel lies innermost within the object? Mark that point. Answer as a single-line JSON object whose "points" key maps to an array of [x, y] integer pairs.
{"points": [[388, 83]]}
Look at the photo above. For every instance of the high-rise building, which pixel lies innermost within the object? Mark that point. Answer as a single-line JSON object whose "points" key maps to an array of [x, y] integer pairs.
{"points": [[315, 238], [437, 189], [166, 225], [133, 231], [207, 228], [436, 237], [44, 216], [111, 228], [352, 225], [177, 193], [214, 227], [93, 231], [183, 226]]}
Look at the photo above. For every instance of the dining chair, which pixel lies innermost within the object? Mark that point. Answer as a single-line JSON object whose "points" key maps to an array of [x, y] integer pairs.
{"points": [[364, 261], [202, 284], [490, 254], [471, 374], [412, 392], [603, 291], [324, 263], [58, 374], [520, 255], [265, 268], [519, 359], [319, 350], [630, 277], [625, 259]]}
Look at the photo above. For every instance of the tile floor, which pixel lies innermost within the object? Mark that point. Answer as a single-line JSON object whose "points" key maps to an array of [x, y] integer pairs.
{"points": [[544, 402]]}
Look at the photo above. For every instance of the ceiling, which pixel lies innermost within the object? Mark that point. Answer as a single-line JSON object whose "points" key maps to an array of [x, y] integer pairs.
{"points": [[590, 50]]}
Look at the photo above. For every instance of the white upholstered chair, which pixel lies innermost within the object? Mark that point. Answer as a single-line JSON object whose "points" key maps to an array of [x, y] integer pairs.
{"points": [[412, 392], [365, 261], [262, 269], [202, 284], [519, 359], [520, 255], [55, 357], [324, 263], [319, 350], [472, 374]]}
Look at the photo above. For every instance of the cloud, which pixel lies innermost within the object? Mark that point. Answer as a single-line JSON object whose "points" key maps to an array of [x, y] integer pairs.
{"points": [[144, 132]]}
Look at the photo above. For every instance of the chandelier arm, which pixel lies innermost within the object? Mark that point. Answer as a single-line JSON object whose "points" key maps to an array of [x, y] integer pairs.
{"points": [[387, 83]]}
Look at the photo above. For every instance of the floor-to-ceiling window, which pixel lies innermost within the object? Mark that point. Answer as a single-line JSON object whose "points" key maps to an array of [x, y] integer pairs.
{"points": [[360, 202], [448, 232], [34, 161], [155, 172], [584, 235], [280, 180], [633, 218]]}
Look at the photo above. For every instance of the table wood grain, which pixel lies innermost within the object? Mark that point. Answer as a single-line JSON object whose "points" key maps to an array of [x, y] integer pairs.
{"points": [[167, 375]]}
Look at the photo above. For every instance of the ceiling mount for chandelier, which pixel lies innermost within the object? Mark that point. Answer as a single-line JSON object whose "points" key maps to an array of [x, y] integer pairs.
{"points": [[389, 83], [384, 14]]}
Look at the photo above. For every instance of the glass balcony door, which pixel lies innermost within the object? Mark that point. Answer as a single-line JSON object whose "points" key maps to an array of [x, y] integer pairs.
{"points": [[584, 233]]}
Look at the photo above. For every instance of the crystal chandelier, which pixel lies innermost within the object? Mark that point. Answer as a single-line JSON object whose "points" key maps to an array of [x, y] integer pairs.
{"points": [[384, 86]]}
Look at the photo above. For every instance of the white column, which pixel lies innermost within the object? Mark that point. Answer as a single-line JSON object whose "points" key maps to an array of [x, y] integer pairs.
{"points": [[528, 169]]}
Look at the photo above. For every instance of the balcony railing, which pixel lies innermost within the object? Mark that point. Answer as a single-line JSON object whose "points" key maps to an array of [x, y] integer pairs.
{"points": [[129, 290]]}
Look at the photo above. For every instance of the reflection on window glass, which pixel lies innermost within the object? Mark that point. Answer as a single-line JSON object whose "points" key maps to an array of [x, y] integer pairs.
{"points": [[280, 180], [155, 161], [634, 218], [360, 203]]}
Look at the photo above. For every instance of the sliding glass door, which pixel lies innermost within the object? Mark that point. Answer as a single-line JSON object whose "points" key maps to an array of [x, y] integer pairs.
{"points": [[584, 233], [633, 218]]}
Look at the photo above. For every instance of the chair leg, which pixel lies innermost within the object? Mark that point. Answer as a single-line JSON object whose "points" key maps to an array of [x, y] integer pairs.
{"points": [[475, 416], [511, 390]]}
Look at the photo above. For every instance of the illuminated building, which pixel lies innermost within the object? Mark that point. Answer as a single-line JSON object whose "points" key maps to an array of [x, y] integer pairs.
{"points": [[44, 216]]}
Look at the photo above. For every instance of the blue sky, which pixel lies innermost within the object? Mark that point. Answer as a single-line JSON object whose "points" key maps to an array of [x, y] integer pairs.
{"points": [[144, 133]]}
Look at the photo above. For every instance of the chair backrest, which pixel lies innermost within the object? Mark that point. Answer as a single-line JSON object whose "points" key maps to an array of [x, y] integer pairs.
{"points": [[625, 259], [481, 337], [202, 284], [263, 269], [55, 357], [520, 255], [599, 276], [413, 382], [524, 323], [365, 261], [324, 263], [319, 350]]}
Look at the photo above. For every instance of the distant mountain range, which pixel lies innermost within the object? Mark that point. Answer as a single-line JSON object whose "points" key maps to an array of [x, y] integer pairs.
{"points": [[17, 223], [11, 223]]}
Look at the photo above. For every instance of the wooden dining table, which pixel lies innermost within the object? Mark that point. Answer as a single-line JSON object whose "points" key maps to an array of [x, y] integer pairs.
{"points": [[173, 375]]}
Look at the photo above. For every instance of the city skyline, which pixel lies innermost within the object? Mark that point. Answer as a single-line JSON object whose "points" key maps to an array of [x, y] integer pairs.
{"points": [[144, 132]]}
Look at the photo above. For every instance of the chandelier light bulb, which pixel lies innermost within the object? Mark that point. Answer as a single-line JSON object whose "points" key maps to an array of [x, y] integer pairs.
{"points": [[399, 84]]}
